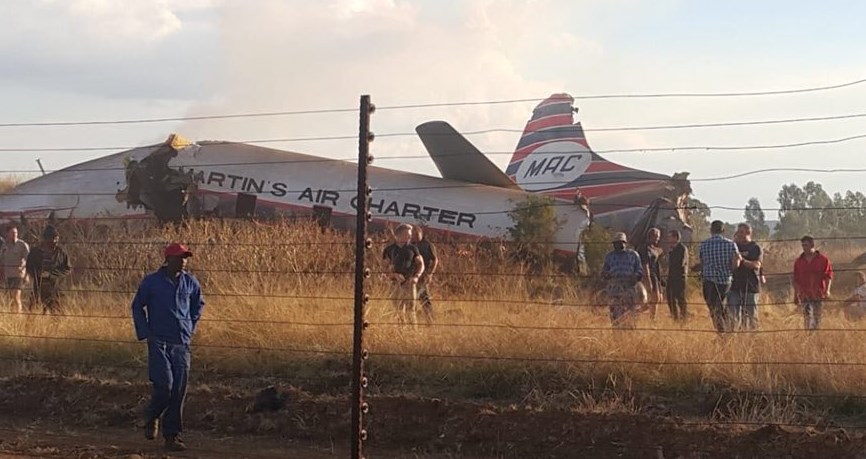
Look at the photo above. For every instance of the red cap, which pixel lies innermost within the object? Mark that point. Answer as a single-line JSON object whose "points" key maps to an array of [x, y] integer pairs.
{"points": [[177, 250]]}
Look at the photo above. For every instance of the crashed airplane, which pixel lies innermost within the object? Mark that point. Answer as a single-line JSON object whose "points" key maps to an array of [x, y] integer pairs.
{"points": [[179, 179]]}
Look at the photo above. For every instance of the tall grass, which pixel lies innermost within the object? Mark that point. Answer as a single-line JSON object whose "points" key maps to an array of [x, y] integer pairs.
{"points": [[279, 301]]}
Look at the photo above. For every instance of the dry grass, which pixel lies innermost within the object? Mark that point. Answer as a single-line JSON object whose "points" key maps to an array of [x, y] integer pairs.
{"points": [[288, 277]]}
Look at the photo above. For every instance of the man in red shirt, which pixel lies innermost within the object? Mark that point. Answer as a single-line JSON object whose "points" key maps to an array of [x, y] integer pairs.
{"points": [[813, 276]]}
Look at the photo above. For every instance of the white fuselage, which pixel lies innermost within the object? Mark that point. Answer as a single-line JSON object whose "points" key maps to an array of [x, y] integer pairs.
{"points": [[286, 183]]}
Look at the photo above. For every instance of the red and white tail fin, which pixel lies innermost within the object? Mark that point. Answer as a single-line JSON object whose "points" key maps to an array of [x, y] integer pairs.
{"points": [[553, 157]]}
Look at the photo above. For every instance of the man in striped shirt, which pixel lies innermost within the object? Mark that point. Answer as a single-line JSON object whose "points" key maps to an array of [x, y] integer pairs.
{"points": [[719, 258]]}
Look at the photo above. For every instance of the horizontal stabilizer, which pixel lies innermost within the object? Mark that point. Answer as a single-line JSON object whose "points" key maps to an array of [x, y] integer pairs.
{"points": [[457, 159]]}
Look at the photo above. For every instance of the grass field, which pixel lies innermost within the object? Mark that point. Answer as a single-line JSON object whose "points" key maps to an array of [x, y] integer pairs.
{"points": [[279, 302]]}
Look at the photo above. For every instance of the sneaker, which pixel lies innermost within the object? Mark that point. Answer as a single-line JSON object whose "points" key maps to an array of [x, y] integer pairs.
{"points": [[174, 444], [151, 427]]}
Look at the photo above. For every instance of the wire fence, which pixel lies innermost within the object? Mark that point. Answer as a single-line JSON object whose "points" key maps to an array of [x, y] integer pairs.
{"points": [[492, 345]]}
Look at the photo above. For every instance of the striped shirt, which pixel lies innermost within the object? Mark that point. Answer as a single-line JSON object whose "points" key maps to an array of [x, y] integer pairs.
{"points": [[716, 255]]}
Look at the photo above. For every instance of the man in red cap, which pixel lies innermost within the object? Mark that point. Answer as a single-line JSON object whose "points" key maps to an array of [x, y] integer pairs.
{"points": [[166, 310]]}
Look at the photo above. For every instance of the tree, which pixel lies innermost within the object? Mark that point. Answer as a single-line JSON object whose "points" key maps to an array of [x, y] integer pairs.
{"points": [[849, 213], [755, 217], [805, 210], [535, 227], [698, 217]]}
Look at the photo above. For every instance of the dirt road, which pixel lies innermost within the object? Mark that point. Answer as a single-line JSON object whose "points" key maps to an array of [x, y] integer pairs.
{"points": [[69, 417]]}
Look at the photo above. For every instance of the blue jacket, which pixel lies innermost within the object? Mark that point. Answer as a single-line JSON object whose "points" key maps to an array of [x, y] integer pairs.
{"points": [[166, 309]]}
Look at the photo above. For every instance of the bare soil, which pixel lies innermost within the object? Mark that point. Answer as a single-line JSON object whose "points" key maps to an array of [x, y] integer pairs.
{"points": [[86, 417]]}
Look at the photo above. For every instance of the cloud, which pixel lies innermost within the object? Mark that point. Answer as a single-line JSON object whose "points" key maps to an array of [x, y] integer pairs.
{"points": [[109, 48], [287, 55]]}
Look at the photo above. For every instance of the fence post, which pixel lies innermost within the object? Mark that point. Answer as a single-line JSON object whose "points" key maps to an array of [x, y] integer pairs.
{"points": [[362, 243]]}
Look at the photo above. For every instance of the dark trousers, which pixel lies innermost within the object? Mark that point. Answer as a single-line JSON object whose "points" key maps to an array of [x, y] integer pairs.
{"points": [[714, 295], [676, 294], [46, 291], [168, 370], [426, 301]]}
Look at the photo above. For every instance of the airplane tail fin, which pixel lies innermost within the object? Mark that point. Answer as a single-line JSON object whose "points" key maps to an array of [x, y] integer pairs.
{"points": [[553, 157]]}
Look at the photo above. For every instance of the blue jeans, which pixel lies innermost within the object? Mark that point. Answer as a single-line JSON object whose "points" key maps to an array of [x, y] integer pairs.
{"points": [[743, 310], [811, 314], [168, 370]]}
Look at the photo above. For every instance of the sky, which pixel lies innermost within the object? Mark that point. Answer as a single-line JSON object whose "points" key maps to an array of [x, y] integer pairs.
{"points": [[81, 60]]}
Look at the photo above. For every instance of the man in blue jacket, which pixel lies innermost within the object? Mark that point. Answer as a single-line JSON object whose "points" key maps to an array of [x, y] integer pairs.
{"points": [[166, 310]]}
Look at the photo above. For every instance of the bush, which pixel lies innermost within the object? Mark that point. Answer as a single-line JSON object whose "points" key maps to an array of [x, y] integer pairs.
{"points": [[534, 230]]}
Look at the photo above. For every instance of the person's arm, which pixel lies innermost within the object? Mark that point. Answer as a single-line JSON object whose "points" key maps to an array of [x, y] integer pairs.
{"points": [[736, 258], [434, 261], [196, 305], [643, 257], [62, 268], [638, 270], [755, 264], [418, 263], [828, 275], [25, 254], [139, 311]]}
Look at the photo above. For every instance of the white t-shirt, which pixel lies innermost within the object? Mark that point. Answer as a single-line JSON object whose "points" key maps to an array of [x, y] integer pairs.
{"points": [[13, 257]]}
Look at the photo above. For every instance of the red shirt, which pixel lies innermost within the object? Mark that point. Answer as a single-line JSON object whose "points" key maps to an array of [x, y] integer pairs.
{"points": [[811, 276]]}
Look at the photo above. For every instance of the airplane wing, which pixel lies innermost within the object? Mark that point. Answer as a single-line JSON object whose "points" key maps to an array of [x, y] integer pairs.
{"points": [[457, 159]]}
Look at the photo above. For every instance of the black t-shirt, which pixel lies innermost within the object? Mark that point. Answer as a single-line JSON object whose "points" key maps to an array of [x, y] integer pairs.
{"points": [[428, 252], [678, 262], [745, 279], [402, 258]]}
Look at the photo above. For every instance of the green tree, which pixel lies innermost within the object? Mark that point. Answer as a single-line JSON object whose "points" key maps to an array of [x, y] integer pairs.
{"points": [[849, 213], [755, 217], [805, 210], [535, 227], [596, 242]]}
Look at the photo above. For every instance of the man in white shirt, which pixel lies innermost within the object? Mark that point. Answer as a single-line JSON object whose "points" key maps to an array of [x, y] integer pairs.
{"points": [[13, 257]]}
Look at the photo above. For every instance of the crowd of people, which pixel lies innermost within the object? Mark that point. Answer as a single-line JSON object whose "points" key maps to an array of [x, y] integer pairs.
{"points": [[731, 274], [43, 266], [169, 302]]}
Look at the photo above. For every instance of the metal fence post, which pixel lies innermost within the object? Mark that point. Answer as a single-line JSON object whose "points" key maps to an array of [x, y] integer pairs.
{"points": [[362, 244]]}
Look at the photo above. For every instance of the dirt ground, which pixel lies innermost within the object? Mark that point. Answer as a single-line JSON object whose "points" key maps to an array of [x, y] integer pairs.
{"points": [[89, 418]]}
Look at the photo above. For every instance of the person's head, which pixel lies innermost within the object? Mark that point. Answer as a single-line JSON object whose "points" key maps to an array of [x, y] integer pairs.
{"points": [[653, 236], [619, 241], [861, 278], [11, 233], [50, 236], [403, 233], [176, 256], [744, 232], [717, 227], [808, 243], [417, 234], [674, 237]]}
